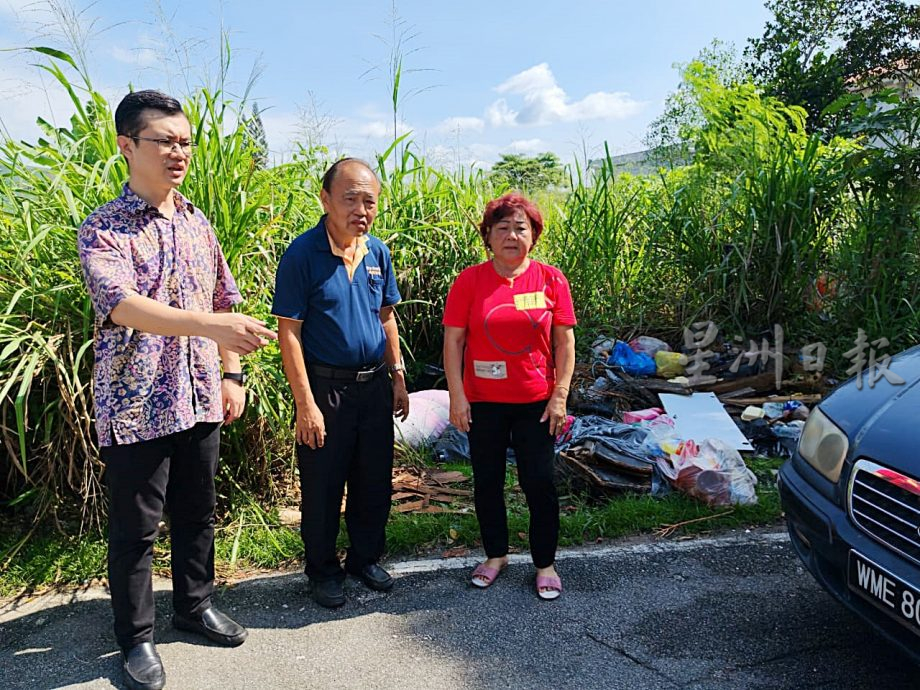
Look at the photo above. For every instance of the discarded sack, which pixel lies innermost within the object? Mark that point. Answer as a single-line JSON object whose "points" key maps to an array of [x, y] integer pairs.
{"points": [[670, 364], [633, 363], [429, 415], [713, 472], [649, 345]]}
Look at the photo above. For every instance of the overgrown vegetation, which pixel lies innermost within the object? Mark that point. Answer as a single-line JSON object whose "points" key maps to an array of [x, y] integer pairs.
{"points": [[739, 234]]}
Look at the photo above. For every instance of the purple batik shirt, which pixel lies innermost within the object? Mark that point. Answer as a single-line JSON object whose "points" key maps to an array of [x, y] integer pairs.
{"points": [[147, 386]]}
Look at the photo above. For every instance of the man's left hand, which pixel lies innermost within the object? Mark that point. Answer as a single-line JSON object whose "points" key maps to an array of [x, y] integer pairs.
{"points": [[400, 399], [233, 400]]}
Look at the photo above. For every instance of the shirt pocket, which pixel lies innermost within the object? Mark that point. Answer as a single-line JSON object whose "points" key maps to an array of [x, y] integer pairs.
{"points": [[375, 292]]}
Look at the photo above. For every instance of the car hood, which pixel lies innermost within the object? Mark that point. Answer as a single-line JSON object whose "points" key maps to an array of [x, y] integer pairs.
{"points": [[883, 422]]}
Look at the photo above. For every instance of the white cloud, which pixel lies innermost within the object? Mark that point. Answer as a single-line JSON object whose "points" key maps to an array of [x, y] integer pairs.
{"points": [[462, 123], [545, 102], [500, 115], [141, 57], [527, 146], [380, 129]]}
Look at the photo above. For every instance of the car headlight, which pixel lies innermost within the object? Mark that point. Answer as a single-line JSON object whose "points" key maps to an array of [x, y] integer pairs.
{"points": [[823, 445]]}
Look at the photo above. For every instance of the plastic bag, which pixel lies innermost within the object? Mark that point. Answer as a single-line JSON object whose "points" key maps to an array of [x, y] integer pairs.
{"points": [[662, 439], [646, 415], [713, 472], [670, 364], [633, 363], [649, 345]]}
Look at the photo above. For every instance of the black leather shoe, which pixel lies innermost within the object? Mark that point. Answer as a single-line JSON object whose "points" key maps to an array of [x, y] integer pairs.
{"points": [[213, 624], [328, 593], [142, 667], [374, 577]]}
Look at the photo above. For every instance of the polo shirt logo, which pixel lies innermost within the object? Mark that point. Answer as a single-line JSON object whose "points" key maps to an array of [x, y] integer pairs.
{"points": [[374, 271]]}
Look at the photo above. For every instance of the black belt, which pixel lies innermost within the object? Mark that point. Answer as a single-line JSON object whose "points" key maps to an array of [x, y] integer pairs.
{"points": [[358, 375]]}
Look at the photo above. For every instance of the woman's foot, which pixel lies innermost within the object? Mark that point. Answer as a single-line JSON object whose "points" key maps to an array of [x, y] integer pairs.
{"points": [[485, 573], [548, 584]]}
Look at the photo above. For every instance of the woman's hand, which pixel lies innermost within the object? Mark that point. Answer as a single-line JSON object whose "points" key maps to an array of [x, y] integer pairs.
{"points": [[460, 414], [555, 411]]}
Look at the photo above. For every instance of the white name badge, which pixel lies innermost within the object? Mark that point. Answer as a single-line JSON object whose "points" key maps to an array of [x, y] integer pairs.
{"points": [[490, 370]]}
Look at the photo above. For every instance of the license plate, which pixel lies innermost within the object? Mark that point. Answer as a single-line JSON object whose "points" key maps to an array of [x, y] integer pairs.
{"points": [[889, 593]]}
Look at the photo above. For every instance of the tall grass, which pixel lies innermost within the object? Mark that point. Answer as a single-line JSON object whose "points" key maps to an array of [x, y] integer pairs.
{"points": [[738, 236]]}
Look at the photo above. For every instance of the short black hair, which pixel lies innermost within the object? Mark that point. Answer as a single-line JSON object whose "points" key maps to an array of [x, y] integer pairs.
{"points": [[129, 115], [329, 176]]}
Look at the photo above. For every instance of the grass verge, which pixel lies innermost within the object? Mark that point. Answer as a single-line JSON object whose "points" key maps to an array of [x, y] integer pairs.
{"points": [[252, 538]]}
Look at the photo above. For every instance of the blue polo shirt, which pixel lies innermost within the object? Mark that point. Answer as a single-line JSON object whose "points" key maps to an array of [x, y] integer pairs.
{"points": [[341, 317]]}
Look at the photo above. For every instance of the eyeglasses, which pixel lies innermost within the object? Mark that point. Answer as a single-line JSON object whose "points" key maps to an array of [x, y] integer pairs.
{"points": [[168, 145]]}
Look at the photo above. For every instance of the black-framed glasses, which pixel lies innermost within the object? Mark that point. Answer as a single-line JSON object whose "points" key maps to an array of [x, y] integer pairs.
{"points": [[168, 145]]}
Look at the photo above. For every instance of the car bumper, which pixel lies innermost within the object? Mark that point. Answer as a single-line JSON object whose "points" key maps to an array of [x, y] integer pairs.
{"points": [[823, 536]]}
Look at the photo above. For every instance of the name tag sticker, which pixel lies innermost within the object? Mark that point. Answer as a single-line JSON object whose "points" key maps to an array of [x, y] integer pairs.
{"points": [[530, 300], [374, 271], [490, 370]]}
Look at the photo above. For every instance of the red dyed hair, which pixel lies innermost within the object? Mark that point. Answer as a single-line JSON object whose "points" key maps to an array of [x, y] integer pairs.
{"points": [[504, 206]]}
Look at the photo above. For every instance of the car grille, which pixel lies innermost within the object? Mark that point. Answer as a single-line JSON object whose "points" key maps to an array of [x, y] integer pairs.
{"points": [[886, 504]]}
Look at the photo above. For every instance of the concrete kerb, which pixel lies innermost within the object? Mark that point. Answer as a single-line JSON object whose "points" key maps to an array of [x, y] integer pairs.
{"points": [[11, 609]]}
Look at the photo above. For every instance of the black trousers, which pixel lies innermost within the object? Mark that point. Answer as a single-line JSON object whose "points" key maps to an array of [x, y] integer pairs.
{"points": [[359, 452], [175, 471], [495, 427]]}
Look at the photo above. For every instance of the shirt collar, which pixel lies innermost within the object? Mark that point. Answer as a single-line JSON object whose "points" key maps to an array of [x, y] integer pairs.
{"points": [[132, 202], [327, 245]]}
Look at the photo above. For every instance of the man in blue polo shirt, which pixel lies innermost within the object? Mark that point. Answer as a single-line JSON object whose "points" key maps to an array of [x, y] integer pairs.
{"points": [[334, 297]]}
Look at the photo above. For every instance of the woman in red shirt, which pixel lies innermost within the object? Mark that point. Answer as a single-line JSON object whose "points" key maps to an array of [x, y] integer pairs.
{"points": [[509, 353]]}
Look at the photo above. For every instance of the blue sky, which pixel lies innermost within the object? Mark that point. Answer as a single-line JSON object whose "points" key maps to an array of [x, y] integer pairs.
{"points": [[493, 77]]}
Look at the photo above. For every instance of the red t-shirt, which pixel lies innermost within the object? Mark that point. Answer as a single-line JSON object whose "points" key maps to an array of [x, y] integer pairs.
{"points": [[509, 342]]}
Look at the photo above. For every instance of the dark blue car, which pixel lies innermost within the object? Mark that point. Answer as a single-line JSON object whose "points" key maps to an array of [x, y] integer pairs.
{"points": [[851, 493]]}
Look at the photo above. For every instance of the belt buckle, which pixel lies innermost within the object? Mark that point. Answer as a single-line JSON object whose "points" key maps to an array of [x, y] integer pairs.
{"points": [[364, 376]]}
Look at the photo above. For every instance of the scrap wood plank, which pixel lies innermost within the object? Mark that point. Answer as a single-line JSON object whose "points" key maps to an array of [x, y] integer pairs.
{"points": [[447, 477], [415, 488], [740, 393], [759, 382], [409, 507], [453, 491], [805, 399]]}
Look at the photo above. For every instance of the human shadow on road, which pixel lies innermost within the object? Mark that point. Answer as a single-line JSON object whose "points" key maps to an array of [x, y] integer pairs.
{"points": [[656, 620]]}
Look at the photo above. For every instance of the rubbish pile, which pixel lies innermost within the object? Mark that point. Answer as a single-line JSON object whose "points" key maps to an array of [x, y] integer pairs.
{"points": [[646, 418]]}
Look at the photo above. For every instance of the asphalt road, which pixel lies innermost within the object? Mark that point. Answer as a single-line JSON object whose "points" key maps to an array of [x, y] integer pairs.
{"points": [[730, 612]]}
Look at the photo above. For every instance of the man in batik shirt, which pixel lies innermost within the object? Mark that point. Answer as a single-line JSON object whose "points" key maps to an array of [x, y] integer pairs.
{"points": [[162, 292]]}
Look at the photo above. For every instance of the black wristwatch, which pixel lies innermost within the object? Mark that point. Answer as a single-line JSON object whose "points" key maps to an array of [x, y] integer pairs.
{"points": [[237, 376]]}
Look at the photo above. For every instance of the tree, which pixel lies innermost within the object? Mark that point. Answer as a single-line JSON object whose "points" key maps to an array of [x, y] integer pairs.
{"points": [[814, 51], [523, 172], [667, 135], [255, 137]]}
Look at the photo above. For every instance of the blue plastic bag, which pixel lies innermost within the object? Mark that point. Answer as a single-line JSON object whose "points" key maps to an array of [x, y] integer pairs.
{"points": [[633, 363]]}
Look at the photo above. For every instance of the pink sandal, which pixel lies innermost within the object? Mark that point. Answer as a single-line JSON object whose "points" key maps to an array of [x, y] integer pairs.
{"points": [[483, 576], [552, 585]]}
